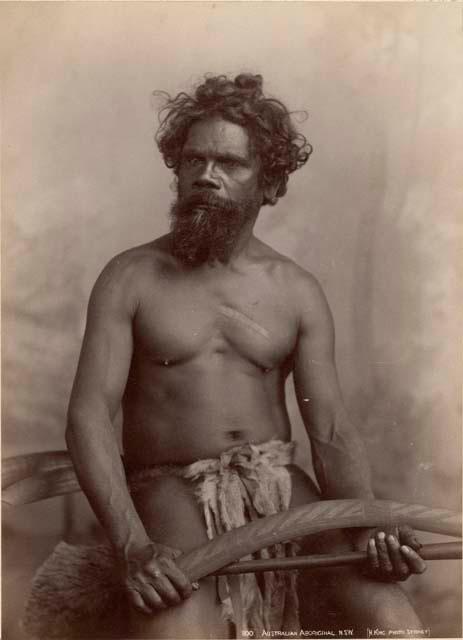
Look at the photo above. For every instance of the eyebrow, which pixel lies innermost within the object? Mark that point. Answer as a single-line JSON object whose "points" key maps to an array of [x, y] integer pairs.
{"points": [[189, 152]]}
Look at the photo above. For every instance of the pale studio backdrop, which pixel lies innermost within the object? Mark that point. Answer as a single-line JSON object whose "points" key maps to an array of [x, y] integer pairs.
{"points": [[373, 215]]}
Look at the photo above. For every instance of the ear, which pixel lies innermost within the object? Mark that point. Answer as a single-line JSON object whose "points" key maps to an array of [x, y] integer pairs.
{"points": [[174, 184], [270, 191]]}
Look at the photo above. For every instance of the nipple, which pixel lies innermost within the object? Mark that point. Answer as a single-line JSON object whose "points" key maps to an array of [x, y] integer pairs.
{"points": [[235, 435]]}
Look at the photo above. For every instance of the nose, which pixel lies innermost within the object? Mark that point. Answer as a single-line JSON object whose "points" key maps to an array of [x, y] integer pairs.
{"points": [[207, 178]]}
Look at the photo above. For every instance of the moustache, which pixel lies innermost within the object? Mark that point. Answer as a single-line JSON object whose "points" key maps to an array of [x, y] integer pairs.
{"points": [[202, 202]]}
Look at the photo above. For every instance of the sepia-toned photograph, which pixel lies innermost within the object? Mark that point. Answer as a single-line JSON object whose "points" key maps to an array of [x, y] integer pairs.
{"points": [[231, 320]]}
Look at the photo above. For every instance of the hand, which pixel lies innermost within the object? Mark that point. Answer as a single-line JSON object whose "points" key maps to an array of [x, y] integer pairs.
{"points": [[152, 579], [392, 555]]}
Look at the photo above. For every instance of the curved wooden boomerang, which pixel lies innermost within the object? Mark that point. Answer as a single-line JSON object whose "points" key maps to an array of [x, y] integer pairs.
{"points": [[35, 477], [313, 518]]}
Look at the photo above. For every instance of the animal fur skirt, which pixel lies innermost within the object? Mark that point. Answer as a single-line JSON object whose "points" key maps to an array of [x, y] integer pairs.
{"points": [[77, 588]]}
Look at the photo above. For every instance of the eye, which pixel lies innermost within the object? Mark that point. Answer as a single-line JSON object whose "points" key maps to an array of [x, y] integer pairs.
{"points": [[230, 163], [192, 161]]}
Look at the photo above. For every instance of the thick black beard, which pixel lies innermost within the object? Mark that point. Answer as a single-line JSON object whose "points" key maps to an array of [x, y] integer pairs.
{"points": [[206, 227]]}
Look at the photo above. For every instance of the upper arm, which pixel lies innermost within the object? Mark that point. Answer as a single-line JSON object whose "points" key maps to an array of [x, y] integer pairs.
{"points": [[315, 376], [107, 345]]}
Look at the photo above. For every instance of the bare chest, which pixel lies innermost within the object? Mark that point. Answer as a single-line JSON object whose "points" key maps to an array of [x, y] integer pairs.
{"points": [[180, 323]]}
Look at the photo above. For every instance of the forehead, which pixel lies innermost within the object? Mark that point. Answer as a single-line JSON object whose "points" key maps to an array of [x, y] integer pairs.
{"points": [[218, 136]]}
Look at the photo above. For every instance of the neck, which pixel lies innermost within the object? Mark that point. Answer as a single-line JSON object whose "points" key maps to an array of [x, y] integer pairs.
{"points": [[244, 241]]}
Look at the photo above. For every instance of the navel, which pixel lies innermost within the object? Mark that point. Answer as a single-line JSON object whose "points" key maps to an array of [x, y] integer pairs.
{"points": [[235, 434]]}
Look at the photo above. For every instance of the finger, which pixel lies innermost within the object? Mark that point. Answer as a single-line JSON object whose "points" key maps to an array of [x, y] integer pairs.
{"points": [[415, 563], [152, 570], [407, 536], [372, 555], [385, 565], [400, 567], [151, 597], [136, 601], [170, 552], [166, 590], [178, 579]]}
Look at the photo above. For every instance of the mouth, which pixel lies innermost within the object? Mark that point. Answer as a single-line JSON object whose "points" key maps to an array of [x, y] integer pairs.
{"points": [[201, 203]]}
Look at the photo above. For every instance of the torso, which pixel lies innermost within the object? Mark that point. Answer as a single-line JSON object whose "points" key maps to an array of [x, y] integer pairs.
{"points": [[212, 350]]}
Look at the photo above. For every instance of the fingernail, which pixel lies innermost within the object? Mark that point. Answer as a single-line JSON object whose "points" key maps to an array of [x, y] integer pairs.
{"points": [[195, 585], [382, 536], [391, 539], [371, 543], [405, 549]]}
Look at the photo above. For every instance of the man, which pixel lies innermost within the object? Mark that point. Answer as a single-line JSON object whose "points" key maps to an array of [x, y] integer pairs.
{"points": [[195, 334]]}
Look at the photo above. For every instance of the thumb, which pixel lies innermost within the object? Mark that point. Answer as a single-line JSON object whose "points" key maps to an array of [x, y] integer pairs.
{"points": [[408, 537], [170, 552]]}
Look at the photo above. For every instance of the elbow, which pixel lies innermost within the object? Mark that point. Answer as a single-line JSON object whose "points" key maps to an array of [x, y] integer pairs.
{"points": [[325, 428], [85, 419], [335, 427], [72, 425], [77, 420]]}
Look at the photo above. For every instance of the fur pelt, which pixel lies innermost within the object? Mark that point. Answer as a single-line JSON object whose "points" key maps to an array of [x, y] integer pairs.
{"points": [[73, 592], [78, 589]]}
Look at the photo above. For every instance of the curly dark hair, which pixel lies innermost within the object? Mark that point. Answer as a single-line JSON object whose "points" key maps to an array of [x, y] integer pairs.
{"points": [[281, 148]]}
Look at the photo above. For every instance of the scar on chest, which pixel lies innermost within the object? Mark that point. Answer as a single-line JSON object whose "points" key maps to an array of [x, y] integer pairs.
{"points": [[244, 321]]}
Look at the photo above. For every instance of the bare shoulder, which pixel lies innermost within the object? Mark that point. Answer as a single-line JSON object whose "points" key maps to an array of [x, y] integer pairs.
{"points": [[300, 286], [123, 278]]}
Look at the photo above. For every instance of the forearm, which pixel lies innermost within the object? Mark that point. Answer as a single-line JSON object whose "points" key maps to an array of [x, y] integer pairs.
{"points": [[341, 464], [93, 448], [342, 471]]}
